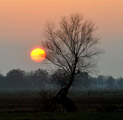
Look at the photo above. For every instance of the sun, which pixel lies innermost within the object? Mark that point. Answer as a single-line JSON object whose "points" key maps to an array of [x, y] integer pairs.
{"points": [[38, 54]]}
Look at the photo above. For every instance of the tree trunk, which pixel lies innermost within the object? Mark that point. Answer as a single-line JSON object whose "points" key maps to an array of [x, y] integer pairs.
{"points": [[62, 99], [61, 96]]}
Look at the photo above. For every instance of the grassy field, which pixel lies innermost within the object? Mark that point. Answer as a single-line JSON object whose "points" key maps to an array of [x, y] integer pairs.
{"points": [[29, 105], [81, 115]]}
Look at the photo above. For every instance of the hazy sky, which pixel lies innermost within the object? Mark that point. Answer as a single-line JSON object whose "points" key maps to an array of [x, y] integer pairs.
{"points": [[22, 23]]}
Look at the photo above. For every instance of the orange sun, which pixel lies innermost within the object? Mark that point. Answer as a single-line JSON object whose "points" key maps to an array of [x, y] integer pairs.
{"points": [[38, 54]]}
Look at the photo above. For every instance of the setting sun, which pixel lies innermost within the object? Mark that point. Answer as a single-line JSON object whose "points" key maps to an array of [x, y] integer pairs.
{"points": [[38, 54]]}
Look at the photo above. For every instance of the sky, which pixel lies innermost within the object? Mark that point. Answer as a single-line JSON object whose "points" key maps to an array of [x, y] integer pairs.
{"points": [[22, 26]]}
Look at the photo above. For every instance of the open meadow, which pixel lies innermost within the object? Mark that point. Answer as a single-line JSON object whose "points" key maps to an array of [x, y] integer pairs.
{"points": [[30, 105]]}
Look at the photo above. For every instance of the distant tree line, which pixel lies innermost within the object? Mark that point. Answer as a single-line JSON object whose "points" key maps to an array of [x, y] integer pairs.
{"points": [[40, 79]]}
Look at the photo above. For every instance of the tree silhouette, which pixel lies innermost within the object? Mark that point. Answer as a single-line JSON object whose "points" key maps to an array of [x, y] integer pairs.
{"points": [[15, 78], [71, 47], [59, 78], [39, 78]]}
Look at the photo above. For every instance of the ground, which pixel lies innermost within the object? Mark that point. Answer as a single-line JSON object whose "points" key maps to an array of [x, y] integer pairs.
{"points": [[91, 106], [82, 115]]}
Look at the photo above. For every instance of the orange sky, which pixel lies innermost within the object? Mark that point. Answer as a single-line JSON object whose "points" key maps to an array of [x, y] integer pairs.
{"points": [[22, 23], [24, 17], [20, 15]]}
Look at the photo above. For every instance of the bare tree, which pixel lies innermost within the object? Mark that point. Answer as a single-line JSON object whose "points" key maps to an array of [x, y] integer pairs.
{"points": [[72, 48]]}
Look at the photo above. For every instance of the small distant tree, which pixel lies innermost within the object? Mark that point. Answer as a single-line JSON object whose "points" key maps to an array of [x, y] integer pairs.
{"points": [[39, 78], [72, 48], [15, 78], [1, 76], [119, 83], [82, 81], [101, 82], [110, 82], [59, 78]]}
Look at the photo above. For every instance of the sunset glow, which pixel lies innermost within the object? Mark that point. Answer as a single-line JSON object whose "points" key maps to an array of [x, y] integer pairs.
{"points": [[38, 54]]}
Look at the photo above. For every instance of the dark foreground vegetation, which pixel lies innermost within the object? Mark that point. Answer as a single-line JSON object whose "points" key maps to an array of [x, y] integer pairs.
{"points": [[32, 105], [83, 115]]}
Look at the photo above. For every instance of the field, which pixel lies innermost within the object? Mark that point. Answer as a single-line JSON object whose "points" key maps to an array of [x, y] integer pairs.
{"points": [[30, 105]]}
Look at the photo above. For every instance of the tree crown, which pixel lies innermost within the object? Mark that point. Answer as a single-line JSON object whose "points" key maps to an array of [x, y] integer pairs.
{"points": [[72, 46]]}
